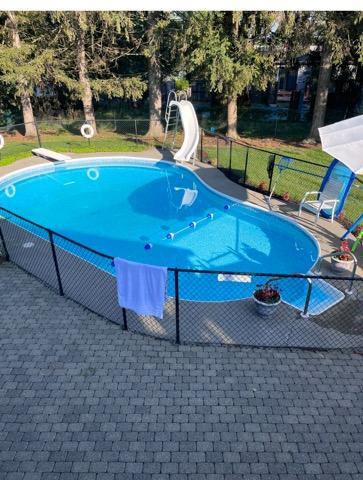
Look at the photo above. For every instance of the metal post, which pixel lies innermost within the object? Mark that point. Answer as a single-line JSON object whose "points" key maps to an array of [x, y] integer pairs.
{"points": [[38, 134], [230, 159], [177, 324], [135, 127], [201, 145], [272, 173], [4, 245], [246, 163], [124, 317], [54, 253], [217, 152], [305, 312]]}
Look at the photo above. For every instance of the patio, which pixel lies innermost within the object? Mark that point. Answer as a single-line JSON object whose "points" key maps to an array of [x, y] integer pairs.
{"points": [[80, 399], [232, 323]]}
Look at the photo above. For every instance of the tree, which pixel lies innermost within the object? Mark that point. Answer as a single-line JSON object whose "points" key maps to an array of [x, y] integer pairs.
{"points": [[88, 47], [23, 66], [152, 53], [337, 35], [232, 51]]}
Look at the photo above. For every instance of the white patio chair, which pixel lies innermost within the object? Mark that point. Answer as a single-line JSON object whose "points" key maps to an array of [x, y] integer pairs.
{"points": [[326, 200]]}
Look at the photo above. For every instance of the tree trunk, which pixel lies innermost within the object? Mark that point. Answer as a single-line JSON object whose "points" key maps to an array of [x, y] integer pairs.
{"points": [[233, 20], [154, 72], [321, 94], [83, 74], [232, 117], [25, 100]]}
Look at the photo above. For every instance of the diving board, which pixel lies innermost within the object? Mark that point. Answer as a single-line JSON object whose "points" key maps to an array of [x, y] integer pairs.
{"points": [[50, 155]]}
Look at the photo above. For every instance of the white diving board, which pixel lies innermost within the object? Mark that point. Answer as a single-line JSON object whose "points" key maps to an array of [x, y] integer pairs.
{"points": [[50, 155]]}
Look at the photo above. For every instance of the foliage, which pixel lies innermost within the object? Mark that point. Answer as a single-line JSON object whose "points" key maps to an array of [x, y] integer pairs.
{"points": [[25, 68], [107, 38], [181, 84], [230, 49], [267, 293]]}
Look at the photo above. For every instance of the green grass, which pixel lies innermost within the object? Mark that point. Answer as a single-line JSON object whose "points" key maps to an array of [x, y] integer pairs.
{"points": [[296, 183], [17, 148], [65, 137]]}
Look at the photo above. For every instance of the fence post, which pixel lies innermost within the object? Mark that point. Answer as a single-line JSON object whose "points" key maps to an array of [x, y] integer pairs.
{"points": [[201, 145], [60, 286], [230, 159], [272, 173], [246, 164], [177, 324], [217, 152], [124, 317], [7, 257], [305, 312], [38, 134]]}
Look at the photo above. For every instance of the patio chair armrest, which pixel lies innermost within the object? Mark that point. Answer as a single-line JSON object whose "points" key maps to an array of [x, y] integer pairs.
{"points": [[307, 194]]}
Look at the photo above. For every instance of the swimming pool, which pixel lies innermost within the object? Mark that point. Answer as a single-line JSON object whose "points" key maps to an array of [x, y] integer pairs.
{"points": [[162, 214]]}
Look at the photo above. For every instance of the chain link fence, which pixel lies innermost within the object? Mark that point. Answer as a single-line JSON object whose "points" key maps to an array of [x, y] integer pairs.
{"points": [[112, 135], [258, 169], [202, 307]]}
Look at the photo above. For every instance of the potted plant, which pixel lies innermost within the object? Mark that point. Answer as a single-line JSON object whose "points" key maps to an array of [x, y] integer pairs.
{"points": [[343, 260], [267, 298]]}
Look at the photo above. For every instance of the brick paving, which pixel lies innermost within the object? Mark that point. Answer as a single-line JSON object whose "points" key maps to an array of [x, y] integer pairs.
{"points": [[81, 399]]}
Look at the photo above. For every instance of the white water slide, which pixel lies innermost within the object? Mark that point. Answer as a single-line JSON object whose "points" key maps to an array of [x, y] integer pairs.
{"points": [[191, 130]]}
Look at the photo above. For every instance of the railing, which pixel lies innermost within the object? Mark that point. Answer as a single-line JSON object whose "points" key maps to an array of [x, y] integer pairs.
{"points": [[256, 168], [87, 276]]}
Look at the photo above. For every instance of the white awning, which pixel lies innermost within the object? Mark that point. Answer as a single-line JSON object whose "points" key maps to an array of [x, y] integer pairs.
{"points": [[344, 141]]}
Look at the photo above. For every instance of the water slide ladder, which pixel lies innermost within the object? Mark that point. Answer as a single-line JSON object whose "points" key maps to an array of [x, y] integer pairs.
{"points": [[172, 117]]}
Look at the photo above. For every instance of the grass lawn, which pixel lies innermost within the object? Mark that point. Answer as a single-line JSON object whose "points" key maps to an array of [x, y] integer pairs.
{"points": [[18, 147], [304, 177], [66, 138]]}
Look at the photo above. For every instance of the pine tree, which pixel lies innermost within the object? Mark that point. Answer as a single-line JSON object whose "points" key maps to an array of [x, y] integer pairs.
{"points": [[23, 66], [88, 47], [232, 51], [339, 35]]}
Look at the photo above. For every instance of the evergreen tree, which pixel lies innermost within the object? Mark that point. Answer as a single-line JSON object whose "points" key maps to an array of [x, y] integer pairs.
{"points": [[232, 51], [23, 65], [88, 47], [339, 36]]}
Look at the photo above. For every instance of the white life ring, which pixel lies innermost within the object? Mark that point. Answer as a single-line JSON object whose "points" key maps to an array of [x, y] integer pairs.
{"points": [[87, 130], [93, 173], [10, 191], [2, 142]]}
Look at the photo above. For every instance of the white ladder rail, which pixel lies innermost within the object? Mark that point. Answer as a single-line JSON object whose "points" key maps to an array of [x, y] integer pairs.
{"points": [[172, 116]]}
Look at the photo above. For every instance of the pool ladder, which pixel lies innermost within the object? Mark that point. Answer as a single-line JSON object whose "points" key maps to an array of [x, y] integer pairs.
{"points": [[172, 118]]}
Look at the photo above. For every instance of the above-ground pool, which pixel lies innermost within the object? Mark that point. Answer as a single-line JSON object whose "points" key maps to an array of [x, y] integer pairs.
{"points": [[163, 214]]}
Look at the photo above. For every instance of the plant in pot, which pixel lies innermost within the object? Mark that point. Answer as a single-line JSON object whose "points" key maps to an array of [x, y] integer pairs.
{"points": [[267, 298], [343, 260]]}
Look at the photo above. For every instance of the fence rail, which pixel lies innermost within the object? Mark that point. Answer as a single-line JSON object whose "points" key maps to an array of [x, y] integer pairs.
{"points": [[87, 276], [257, 169]]}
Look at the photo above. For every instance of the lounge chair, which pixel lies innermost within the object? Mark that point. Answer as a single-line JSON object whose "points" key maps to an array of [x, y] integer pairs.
{"points": [[326, 200]]}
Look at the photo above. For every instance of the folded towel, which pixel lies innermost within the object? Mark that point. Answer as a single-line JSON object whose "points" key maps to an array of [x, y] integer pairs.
{"points": [[141, 287]]}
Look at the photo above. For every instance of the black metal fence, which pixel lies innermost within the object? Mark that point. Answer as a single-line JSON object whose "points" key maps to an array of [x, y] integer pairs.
{"points": [[258, 168], [306, 318], [113, 135], [247, 165]]}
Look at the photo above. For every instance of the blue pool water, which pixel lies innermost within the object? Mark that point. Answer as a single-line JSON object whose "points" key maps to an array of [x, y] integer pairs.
{"points": [[119, 207]]}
